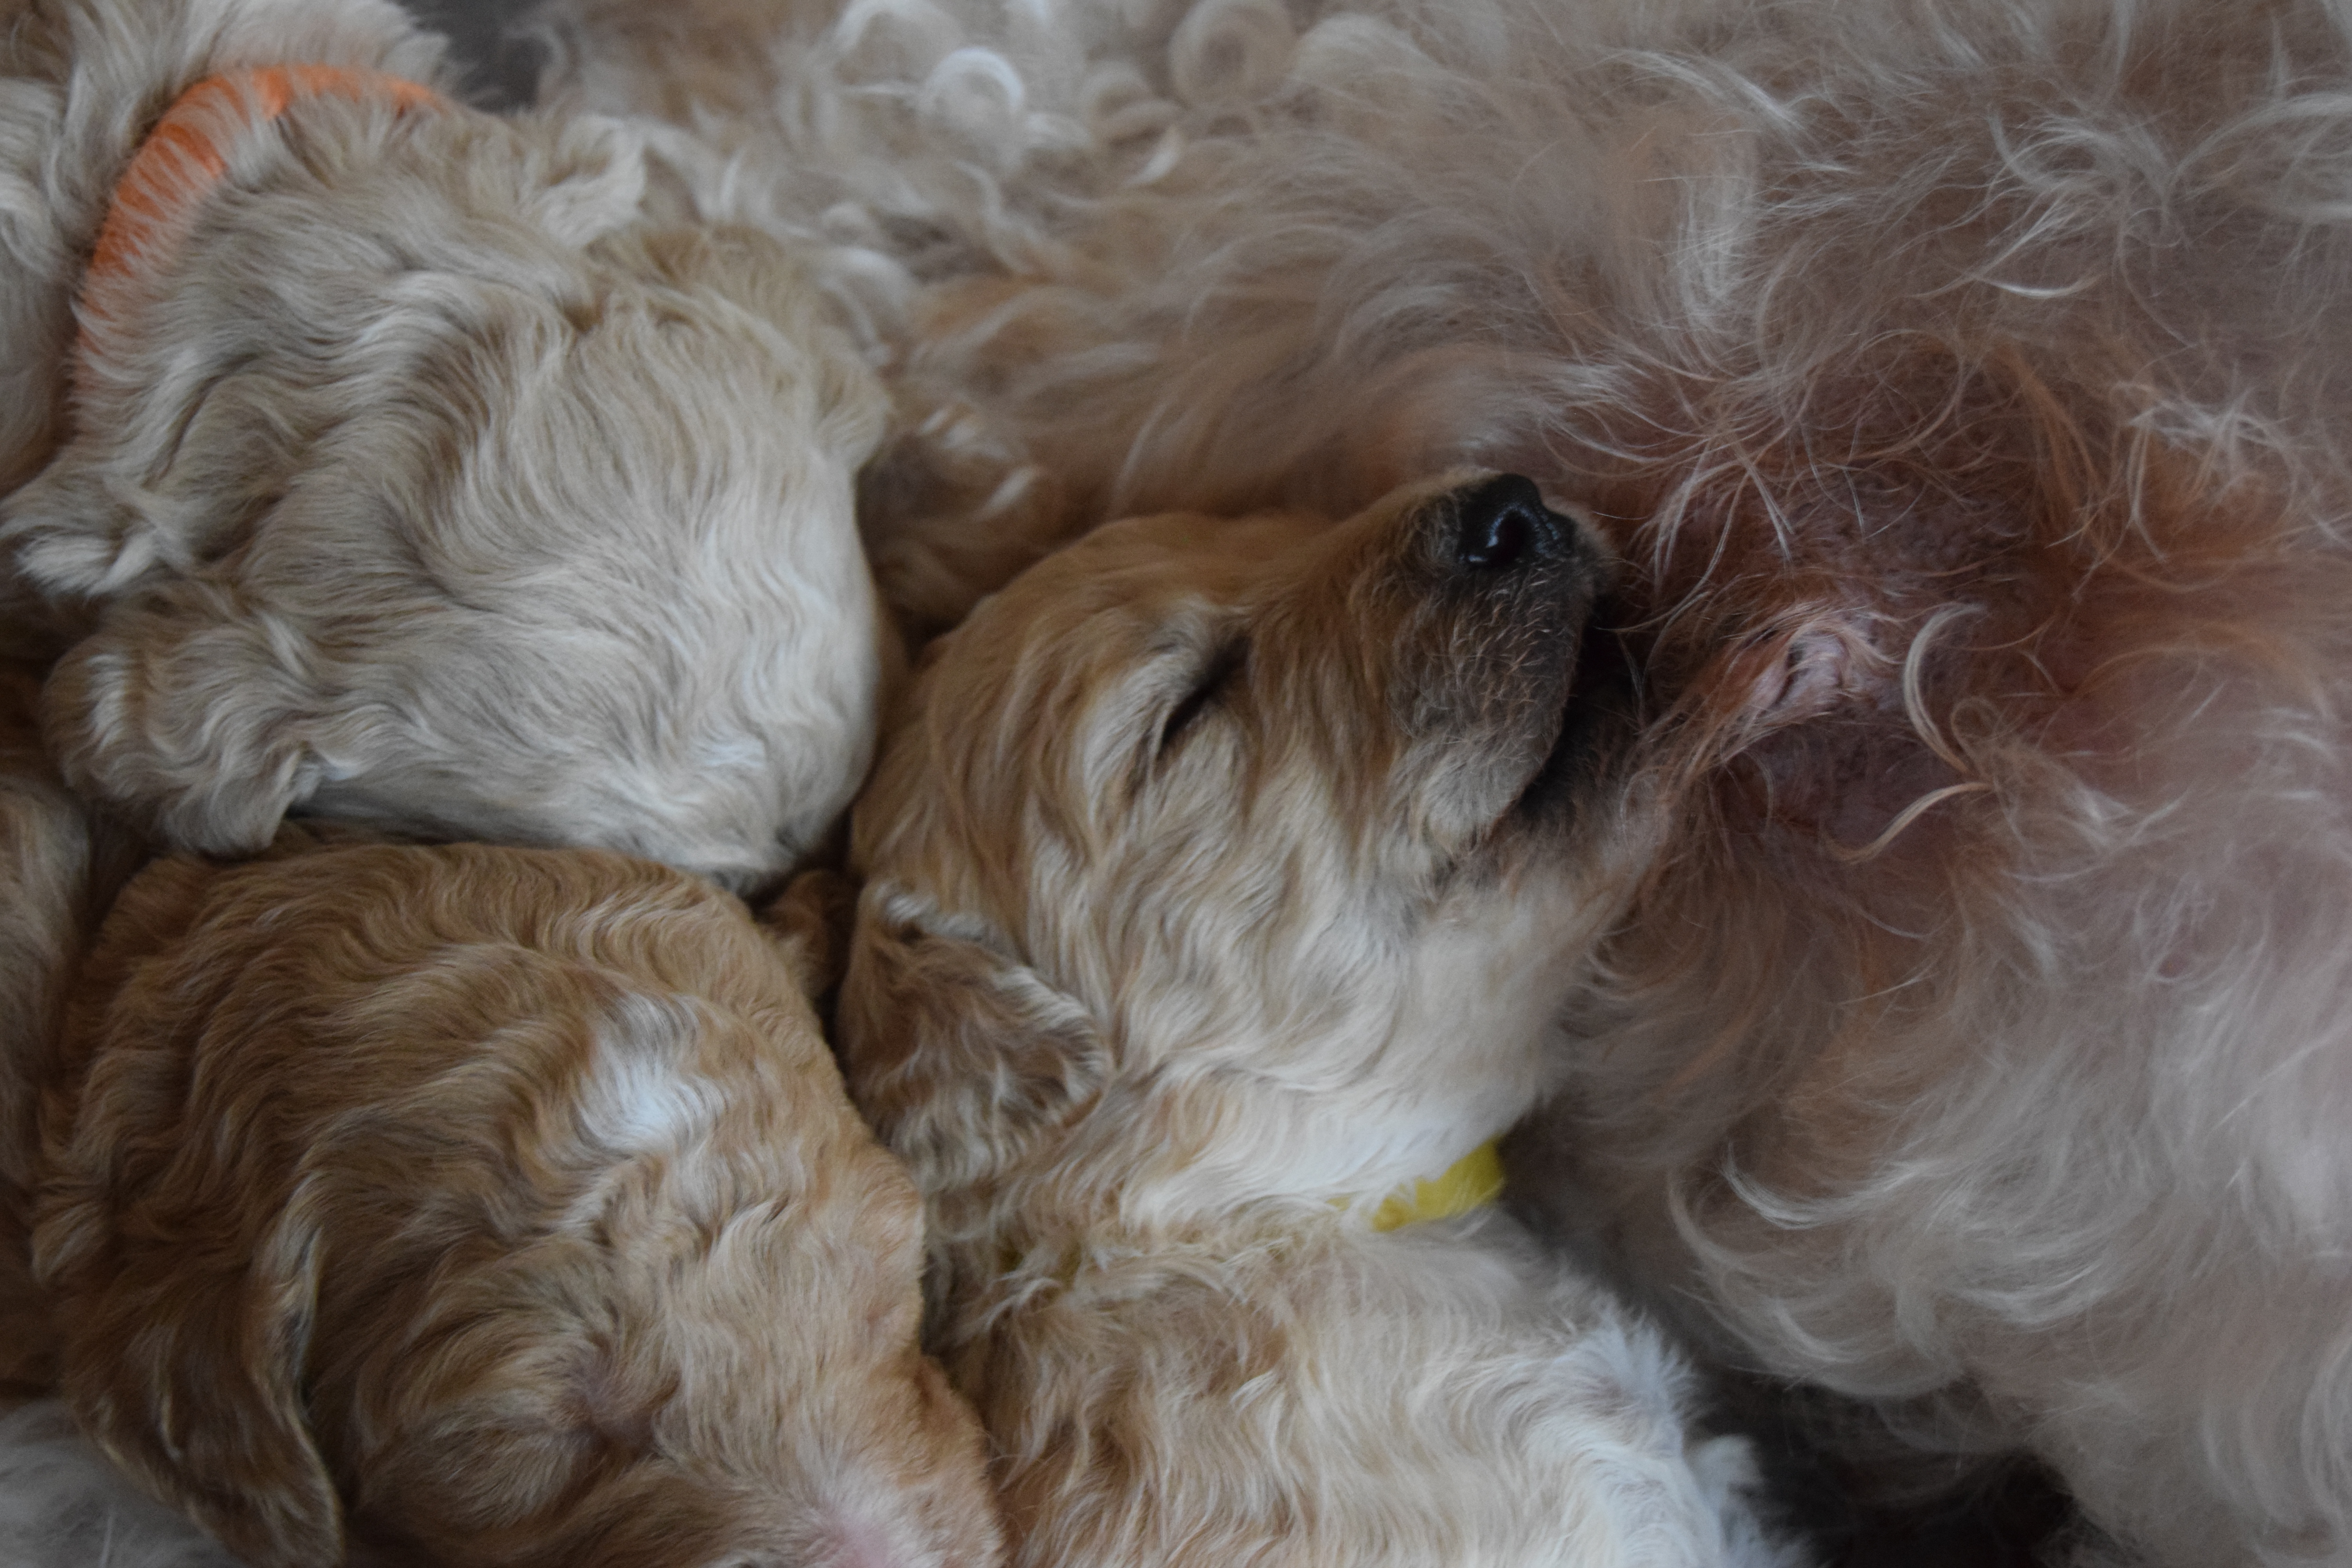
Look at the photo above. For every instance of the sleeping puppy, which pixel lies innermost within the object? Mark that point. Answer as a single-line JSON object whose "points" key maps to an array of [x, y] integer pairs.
{"points": [[493, 1206], [1221, 881], [373, 458]]}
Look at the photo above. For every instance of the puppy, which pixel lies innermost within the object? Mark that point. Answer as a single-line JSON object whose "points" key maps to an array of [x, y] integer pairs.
{"points": [[487, 1206], [1219, 880], [373, 458]]}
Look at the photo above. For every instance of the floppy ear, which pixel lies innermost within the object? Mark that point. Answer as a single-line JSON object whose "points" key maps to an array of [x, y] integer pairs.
{"points": [[184, 1282], [193, 1384], [182, 711], [958, 1054], [73, 535], [168, 470]]}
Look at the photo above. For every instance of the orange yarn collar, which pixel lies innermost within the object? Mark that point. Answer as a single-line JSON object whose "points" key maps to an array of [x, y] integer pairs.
{"points": [[186, 155]]}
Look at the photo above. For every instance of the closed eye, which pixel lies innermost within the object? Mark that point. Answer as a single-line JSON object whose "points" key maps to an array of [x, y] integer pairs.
{"points": [[1226, 663]]}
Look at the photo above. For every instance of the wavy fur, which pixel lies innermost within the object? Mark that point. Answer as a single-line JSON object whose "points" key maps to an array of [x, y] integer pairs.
{"points": [[1219, 880], [490, 1206], [426, 482]]}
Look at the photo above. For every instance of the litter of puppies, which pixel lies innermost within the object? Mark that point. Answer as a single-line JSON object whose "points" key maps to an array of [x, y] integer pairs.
{"points": [[1748, 598]]}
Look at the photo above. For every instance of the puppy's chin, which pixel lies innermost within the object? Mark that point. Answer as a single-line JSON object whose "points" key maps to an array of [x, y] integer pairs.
{"points": [[1597, 730]]}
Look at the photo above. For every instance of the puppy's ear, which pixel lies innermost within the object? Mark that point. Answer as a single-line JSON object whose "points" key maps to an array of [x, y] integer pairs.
{"points": [[960, 1054], [72, 535], [198, 1395], [187, 1369], [180, 711], [183, 1281], [166, 475]]}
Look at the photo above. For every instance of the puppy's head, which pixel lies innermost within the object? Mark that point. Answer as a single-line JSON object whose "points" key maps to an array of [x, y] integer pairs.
{"points": [[1307, 811], [492, 1207], [429, 491]]}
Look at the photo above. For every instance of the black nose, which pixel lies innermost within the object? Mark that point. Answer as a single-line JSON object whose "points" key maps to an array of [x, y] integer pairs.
{"points": [[1502, 523]]}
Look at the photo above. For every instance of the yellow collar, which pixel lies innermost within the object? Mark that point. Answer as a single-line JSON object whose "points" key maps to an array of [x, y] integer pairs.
{"points": [[1470, 1182]]}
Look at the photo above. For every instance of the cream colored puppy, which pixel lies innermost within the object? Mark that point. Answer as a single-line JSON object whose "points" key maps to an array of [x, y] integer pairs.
{"points": [[1221, 881], [488, 1205], [387, 466]]}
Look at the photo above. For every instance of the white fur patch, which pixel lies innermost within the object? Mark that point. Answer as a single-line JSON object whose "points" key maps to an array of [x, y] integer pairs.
{"points": [[62, 1505], [640, 1096]]}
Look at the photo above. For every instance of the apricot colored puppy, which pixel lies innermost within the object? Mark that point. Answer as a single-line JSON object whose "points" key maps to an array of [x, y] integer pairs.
{"points": [[492, 1205]]}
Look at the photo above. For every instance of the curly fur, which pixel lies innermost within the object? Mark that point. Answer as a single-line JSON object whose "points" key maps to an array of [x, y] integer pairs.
{"points": [[1219, 880], [490, 1206], [1964, 384], [425, 483]]}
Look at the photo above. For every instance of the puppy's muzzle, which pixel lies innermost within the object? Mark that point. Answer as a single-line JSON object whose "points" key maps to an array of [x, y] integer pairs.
{"points": [[1496, 668]]}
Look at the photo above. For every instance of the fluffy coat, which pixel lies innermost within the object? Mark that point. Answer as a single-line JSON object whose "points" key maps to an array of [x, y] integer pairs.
{"points": [[1964, 385], [491, 1206], [1213, 894], [421, 481]]}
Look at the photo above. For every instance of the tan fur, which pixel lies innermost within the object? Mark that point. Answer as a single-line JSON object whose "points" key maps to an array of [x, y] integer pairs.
{"points": [[1160, 988], [426, 482], [498, 1204], [900, 148]]}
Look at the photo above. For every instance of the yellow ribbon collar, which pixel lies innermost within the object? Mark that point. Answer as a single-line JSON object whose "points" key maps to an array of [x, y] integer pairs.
{"points": [[1470, 1182]]}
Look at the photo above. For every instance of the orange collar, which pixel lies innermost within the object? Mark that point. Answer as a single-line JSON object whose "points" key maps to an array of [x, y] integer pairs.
{"points": [[185, 156]]}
